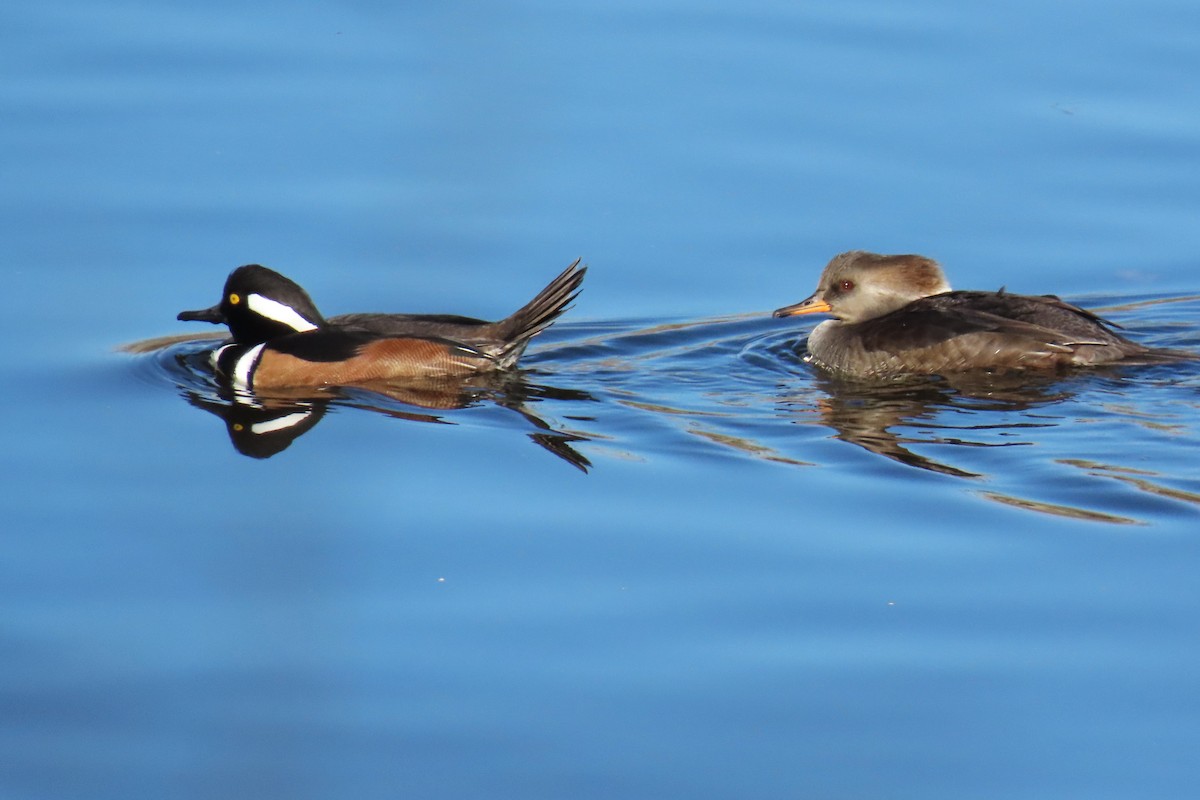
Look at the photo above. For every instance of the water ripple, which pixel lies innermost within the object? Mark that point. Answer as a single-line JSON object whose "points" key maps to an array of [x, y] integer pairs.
{"points": [[737, 388]]}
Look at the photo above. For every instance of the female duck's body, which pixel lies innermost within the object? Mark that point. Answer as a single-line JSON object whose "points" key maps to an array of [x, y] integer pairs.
{"points": [[896, 315]]}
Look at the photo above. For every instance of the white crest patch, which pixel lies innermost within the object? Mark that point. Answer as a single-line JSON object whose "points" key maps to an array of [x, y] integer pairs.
{"points": [[277, 311], [280, 423]]}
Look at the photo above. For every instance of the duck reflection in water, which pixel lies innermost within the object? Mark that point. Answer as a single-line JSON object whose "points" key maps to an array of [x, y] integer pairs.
{"points": [[261, 425], [872, 414]]}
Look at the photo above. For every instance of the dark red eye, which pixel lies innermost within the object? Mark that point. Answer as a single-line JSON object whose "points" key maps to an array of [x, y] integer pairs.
{"points": [[846, 286]]}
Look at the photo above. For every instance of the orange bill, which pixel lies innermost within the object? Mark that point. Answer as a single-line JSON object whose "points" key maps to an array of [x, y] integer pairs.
{"points": [[810, 305]]}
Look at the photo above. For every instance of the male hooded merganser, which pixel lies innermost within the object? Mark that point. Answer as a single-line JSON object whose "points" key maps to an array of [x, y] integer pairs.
{"points": [[896, 315], [281, 340]]}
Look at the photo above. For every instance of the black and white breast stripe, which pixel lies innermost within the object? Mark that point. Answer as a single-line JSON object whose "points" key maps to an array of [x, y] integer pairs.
{"points": [[237, 363]]}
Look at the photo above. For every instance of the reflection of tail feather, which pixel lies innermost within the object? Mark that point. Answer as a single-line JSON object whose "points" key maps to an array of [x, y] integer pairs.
{"points": [[560, 445]]}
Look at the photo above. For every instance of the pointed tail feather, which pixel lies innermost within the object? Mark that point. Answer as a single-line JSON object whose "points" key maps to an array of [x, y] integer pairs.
{"points": [[540, 312]]}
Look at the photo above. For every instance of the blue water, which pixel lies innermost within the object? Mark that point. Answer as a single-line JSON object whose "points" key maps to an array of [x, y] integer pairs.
{"points": [[666, 559]]}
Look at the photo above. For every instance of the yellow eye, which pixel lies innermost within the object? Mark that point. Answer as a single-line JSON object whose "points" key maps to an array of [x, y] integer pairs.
{"points": [[237, 426], [234, 299]]}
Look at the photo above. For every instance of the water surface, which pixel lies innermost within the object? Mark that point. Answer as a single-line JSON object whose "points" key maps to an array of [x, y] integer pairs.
{"points": [[666, 558]]}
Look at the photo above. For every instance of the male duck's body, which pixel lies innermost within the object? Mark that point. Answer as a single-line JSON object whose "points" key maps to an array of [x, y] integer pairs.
{"points": [[280, 339], [897, 315]]}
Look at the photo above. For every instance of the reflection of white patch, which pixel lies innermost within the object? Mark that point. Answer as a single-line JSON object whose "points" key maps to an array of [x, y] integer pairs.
{"points": [[280, 423], [242, 397], [274, 310], [214, 358], [244, 366]]}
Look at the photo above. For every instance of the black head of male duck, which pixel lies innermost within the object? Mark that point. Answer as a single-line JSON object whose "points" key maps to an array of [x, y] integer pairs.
{"points": [[260, 304], [896, 315], [280, 339]]}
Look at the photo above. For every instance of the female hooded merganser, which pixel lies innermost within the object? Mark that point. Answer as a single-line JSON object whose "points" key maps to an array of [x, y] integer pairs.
{"points": [[281, 340], [896, 315]]}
